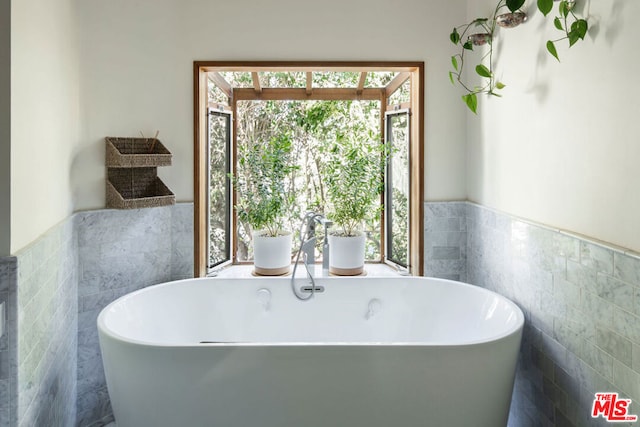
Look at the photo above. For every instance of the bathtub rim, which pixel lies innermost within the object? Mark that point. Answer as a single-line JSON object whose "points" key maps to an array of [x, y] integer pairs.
{"points": [[516, 329]]}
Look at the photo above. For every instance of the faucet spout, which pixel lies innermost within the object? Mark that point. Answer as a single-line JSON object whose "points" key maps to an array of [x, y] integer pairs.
{"points": [[320, 219], [325, 243]]}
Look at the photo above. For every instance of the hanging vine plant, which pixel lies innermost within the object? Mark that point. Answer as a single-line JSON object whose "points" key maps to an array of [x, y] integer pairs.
{"points": [[574, 27], [482, 31]]}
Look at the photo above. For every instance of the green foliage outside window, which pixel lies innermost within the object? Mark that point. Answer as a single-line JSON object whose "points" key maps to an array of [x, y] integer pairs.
{"points": [[312, 131]]}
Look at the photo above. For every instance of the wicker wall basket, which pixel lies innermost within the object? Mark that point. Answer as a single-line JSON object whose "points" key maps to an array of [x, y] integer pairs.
{"points": [[134, 188], [136, 153]]}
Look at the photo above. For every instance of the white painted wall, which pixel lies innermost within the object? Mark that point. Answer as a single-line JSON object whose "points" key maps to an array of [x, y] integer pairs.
{"points": [[137, 59], [562, 146], [44, 115], [5, 127]]}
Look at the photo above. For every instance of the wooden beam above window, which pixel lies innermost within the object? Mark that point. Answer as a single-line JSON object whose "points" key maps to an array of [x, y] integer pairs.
{"points": [[363, 78], [222, 84], [309, 83], [397, 81], [308, 66], [256, 82], [300, 94]]}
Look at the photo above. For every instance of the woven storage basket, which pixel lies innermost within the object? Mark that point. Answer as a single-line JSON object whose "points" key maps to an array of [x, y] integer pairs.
{"points": [[134, 188], [136, 153]]}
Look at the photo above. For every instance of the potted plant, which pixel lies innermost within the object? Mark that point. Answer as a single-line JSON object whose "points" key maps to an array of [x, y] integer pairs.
{"points": [[263, 200], [353, 177]]}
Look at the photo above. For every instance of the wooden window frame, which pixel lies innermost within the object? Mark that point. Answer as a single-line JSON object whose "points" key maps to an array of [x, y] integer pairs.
{"points": [[388, 192], [414, 71]]}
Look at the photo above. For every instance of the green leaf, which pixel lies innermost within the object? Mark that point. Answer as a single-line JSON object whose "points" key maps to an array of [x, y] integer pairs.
{"points": [[454, 62], [552, 50], [472, 102], [451, 78], [545, 6], [580, 27], [454, 36], [500, 85], [514, 5], [558, 23], [483, 71], [468, 45], [563, 8], [480, 21], [573, 37]]}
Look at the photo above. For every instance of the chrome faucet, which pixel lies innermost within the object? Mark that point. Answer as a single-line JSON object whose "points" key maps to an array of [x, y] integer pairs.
{"points": [[307, 248], [309, 241]]}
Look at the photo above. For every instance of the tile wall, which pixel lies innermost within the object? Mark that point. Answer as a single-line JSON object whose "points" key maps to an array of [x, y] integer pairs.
{"points": [[445, 240], [55, 289], [121, 251], [182, 241], [8, 343], [47, 303], [581, 300]]}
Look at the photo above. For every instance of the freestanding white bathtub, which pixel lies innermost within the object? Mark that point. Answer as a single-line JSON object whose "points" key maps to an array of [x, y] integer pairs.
{"points": [[366, 352]]}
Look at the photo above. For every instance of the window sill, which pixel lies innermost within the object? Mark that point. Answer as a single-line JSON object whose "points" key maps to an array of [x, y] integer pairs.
{"points": [[245, 271]]}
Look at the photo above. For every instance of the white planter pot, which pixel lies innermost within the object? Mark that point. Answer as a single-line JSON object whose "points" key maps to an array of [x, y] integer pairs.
{"points": [[271, 255], [346, 255]]}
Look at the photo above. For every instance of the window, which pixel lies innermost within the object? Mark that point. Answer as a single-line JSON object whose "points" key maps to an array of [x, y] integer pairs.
{"points": [[219, 188], [382, 102], [397, 187]]}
